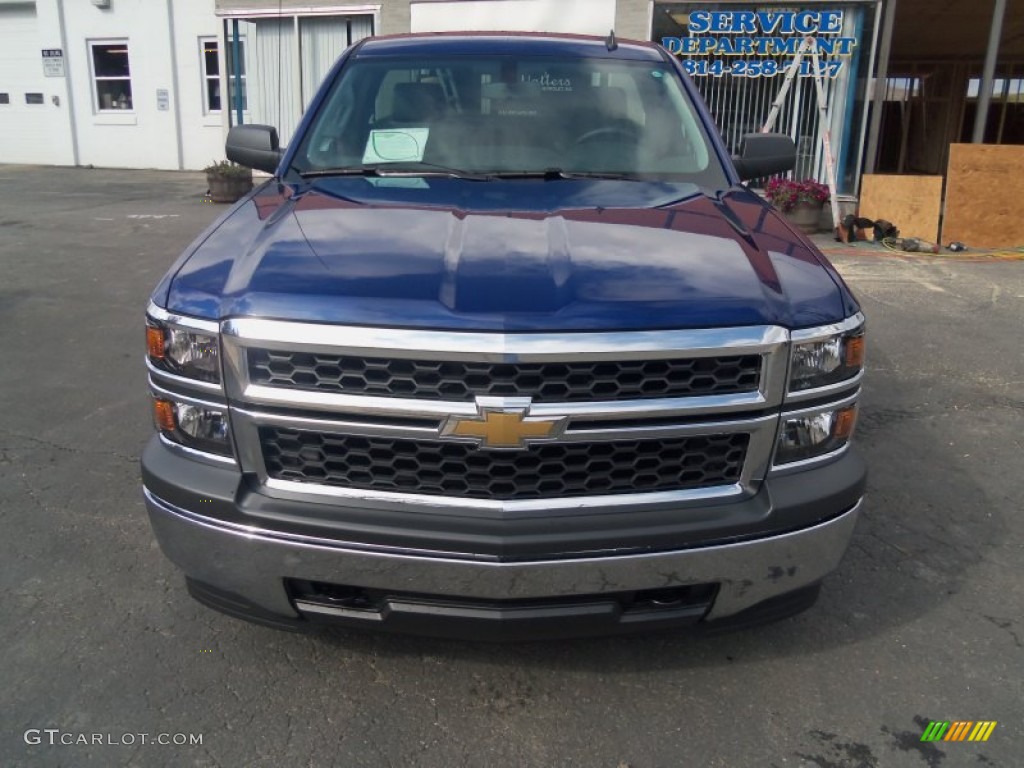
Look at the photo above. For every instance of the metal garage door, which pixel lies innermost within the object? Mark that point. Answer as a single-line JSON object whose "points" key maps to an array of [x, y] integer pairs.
{"points": [[24, 124]]}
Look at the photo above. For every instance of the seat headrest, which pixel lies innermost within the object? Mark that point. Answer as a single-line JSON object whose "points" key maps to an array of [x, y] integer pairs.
{"points": [[417, 102], [613, 102]]}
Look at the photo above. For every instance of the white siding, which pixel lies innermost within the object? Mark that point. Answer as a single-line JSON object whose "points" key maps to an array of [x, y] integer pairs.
{"points": [[163, 40], [29, 133], [142, 137], [202, 134], [588, 17]]}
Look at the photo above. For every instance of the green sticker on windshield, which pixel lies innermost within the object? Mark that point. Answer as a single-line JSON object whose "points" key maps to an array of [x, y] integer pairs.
{"points": [[399, 182], [396, 145]]}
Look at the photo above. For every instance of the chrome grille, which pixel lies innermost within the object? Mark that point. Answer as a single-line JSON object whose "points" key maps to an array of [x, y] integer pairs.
{"points": [[567, 382], [447, 468], [376, 417]]}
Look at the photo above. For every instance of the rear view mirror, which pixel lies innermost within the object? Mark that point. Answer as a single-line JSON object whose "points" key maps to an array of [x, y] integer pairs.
{"points": [[765, 154], [254, 146]]}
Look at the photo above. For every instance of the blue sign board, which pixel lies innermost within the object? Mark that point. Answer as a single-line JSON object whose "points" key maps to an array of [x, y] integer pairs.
{"points": [[760, 43]]}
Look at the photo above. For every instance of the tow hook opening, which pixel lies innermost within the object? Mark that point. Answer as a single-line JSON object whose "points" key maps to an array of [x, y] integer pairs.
{"points": [[338, 595], [674, 597]]}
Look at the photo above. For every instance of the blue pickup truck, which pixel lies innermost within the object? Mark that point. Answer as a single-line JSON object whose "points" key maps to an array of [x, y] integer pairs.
{"points": [[504, 349]]}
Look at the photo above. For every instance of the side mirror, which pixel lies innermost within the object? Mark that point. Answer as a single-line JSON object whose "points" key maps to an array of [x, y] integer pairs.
{"points": [[254, 146], [764, 154]]}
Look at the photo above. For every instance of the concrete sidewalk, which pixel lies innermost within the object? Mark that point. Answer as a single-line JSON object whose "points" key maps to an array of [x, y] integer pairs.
{"points": [[828, 244]]}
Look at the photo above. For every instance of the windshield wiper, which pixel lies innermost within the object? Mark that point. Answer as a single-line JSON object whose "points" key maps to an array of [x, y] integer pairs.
{"points": [[554, 174], [380, 170]]}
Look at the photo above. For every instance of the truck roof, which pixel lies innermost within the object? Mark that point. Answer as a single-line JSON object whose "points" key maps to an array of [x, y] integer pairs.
{"points": [[509, 43]]}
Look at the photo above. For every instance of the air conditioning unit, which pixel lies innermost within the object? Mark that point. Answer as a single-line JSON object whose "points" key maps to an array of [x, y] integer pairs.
{"points": [[101, 3]]}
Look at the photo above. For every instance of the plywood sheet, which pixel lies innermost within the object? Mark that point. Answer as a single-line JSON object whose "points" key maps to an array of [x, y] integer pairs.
{"points": [[985, 196], [912, 203]]}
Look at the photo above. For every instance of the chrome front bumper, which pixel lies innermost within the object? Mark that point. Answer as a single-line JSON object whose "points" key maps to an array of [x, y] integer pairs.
{"points": [[252, 564]]}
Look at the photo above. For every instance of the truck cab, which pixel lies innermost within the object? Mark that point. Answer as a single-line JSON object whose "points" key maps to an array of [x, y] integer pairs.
{"points": [[504, 349]]}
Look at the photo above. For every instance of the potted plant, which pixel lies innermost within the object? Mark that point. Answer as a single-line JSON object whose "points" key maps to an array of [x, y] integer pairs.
{"points": [[801, 201], [228, 182]]}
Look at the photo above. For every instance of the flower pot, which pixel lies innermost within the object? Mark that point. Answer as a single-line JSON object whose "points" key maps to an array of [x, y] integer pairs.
{"points": [[805, 216], [228, 189]]}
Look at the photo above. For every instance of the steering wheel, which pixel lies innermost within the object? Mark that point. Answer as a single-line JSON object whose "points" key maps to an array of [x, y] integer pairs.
{"points": [[609, 131]]}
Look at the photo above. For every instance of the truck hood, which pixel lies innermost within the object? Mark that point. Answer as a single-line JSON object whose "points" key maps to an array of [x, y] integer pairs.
{"points": [[698, 262]]}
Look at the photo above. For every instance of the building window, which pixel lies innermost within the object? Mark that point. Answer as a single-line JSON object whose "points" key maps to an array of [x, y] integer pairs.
{"points": [[209, 54], [229, 61], [111, 76], [209, 49], [33, 98], [5, 98]]}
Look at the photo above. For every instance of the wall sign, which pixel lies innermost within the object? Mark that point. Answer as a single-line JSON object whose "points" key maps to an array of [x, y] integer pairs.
{"points": [[163, 99], [760, 43], [53, 62]]}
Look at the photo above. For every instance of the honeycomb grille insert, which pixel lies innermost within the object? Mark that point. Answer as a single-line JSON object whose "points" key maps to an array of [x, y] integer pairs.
{"points": [[552, 470], [544, 382]]}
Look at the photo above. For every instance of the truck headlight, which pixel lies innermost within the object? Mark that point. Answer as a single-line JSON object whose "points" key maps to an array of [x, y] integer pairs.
{"points": [[201, 427], [809, 435], [827, 361], [187, 353]]}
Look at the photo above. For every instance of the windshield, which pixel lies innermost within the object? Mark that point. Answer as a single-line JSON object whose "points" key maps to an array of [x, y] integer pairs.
{"points": [[499, 115]]}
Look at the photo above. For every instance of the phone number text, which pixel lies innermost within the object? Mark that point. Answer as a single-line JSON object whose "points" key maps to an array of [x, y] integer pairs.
{"points": [[758, 68]]}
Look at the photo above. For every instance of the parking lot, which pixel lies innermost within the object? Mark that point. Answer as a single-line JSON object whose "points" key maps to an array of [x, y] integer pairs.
{"points": [[922, 622]]}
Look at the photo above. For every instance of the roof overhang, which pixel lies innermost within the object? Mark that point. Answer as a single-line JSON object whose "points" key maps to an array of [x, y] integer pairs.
{"points": [[254, 9], [929, 30]]}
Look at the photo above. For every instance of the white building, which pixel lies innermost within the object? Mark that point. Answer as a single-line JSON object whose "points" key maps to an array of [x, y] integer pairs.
{"points": [[142, 83], [113, 83], [152, 83]]}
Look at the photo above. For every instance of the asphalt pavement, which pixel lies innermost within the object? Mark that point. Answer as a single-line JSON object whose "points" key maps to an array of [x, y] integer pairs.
{"points": [[100, 642]]}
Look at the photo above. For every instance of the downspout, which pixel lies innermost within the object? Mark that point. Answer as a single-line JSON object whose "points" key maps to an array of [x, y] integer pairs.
{"points": [[236, 67], [174, 87], [70, 89]]}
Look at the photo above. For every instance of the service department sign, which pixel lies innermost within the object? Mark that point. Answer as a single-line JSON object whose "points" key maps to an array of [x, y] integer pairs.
{"points": [[760, 43]]}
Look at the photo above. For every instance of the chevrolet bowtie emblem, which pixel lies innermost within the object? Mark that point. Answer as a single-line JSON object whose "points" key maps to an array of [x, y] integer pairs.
{"points": [[504, 424]]}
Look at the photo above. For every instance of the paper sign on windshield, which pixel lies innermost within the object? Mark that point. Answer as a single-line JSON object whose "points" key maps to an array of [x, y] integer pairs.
{"points": [[396, 145]]}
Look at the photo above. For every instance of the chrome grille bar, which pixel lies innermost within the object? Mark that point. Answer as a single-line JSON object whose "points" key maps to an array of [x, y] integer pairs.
{"points": [[255, 406]]}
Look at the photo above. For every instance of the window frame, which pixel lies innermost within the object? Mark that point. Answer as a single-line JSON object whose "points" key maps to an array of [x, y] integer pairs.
{"points": [[98, 107], [205, 76]]}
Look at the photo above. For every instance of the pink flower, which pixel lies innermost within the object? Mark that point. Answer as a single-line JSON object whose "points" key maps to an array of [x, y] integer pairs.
{"points": [[786, 194]]}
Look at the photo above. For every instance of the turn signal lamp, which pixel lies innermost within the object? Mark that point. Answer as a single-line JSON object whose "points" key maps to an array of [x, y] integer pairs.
{"points": [[163, 415], [844, 422], [855, 352], [155, 342]]}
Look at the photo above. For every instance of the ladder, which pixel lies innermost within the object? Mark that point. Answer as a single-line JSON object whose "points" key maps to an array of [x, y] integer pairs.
{"points": [[810, 46]]}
